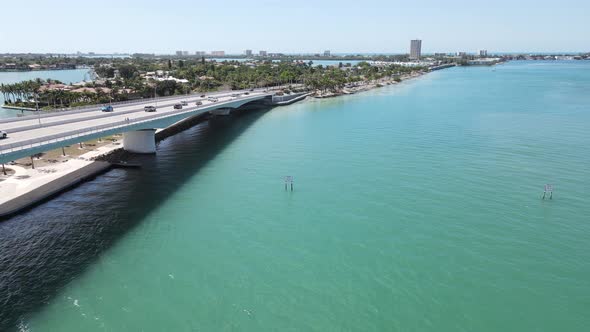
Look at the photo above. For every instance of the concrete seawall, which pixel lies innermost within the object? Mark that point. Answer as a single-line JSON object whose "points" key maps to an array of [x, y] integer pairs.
{"points": [[290, 99], [52, 188], [18, 108]]}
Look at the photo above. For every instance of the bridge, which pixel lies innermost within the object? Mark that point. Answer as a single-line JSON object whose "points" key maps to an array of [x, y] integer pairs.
{"points": [[34, 134]]}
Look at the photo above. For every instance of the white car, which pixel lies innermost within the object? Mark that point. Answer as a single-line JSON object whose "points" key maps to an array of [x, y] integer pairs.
{"points": [[3, 134]]}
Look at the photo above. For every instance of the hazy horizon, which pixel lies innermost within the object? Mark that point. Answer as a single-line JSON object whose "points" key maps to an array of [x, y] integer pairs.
{"points": [[227, 54], [375, 26]]}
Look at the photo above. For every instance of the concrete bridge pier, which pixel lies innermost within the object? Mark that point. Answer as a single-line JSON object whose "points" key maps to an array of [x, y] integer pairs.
{"points": [[221, 111], [140, 141]]}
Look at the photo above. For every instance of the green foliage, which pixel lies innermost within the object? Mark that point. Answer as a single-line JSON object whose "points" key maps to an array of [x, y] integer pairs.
{"points": [[202, 76], [127, 71]]}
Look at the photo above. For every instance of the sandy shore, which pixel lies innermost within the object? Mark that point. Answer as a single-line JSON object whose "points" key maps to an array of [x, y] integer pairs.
{"points": [[352, 88], [24, 185], [30, 180]]}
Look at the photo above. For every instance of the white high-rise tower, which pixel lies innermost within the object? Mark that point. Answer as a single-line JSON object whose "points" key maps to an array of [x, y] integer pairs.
{"points": [[415, 49]]}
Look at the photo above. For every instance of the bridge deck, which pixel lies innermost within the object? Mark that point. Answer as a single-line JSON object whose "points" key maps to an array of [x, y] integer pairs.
{"points": [[27, 130]]}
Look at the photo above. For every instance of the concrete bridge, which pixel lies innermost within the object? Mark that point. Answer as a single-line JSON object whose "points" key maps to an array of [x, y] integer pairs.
{"points": [[34, 134]]}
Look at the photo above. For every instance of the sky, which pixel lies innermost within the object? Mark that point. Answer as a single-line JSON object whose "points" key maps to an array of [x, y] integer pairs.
{"points": [[296, 26]]}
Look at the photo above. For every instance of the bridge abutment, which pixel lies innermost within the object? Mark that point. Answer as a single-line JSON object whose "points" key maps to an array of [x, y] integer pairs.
{"points": [[140, 141]]}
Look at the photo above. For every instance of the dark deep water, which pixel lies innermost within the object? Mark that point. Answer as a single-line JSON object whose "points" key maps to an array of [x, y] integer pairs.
{"points": [[417, 208], [47, 246]]}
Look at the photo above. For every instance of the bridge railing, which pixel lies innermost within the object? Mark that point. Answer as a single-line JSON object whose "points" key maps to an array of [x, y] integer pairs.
{"points": [[98, 115], [90, 108], [49, 139]]}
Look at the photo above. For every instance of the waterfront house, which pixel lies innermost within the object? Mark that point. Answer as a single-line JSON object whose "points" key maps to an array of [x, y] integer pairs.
{"points": [[55, 87]]}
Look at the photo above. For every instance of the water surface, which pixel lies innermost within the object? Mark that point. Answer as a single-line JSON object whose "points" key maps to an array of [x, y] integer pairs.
{"points": [[65, 76], [416, 208]]}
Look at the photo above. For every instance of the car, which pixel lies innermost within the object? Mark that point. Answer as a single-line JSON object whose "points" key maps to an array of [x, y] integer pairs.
{"points": [[149, 108], [184, 103], [213, 100], [251, 89], [246, 93], [203, 96], [3, 134], [199, 103], [235, 95], [107, 108], [177, 106]]}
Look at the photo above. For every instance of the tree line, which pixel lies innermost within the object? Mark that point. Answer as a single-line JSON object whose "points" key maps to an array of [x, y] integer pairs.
{"points": [[201, 76]]}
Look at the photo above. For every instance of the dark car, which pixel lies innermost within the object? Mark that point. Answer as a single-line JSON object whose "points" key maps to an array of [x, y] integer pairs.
{"points": [[149, 108], [203, 96], [199, 103], [177, 106]]}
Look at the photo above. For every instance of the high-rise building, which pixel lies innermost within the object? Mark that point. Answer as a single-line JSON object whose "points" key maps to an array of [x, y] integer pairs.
{"points": [[415, 49], [262, 53], [178, 53], [200, 53], [218, 53], [248, 52], [327, 53], [483, 53]]}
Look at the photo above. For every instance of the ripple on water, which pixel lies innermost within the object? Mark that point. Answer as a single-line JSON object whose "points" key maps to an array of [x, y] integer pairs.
{"points": [[416, 207]]}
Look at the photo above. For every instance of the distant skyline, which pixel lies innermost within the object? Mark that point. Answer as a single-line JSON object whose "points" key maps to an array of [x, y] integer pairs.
{"points": [[371, 26]]}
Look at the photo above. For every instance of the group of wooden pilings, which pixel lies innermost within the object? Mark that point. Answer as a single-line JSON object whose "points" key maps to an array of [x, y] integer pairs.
{"points": [[548, 189], [288, 180]]}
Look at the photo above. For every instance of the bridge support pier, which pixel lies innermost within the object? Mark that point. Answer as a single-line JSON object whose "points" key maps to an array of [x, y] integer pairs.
{"points": [[221, 111], [140, 141]]}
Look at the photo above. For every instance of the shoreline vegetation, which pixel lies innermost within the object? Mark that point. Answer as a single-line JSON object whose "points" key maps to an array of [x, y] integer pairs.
{"points": [[49, 173], [44, 175], [130, 79], [116, 79]]}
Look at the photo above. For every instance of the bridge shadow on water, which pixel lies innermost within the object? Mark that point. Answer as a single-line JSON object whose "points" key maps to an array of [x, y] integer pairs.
{"points": [[44, 248]]}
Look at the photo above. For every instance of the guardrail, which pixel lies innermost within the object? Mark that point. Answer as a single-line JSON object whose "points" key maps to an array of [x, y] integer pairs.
{"points": [[49, 139], [97, 116], [82, 109]]}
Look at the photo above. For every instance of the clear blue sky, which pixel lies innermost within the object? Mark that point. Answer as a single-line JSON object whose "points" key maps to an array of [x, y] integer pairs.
{"points": [[294, 26]]}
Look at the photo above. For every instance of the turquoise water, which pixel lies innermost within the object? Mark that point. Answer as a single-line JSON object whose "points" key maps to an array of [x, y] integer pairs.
{"points": [[416, 208], [66, 76]]}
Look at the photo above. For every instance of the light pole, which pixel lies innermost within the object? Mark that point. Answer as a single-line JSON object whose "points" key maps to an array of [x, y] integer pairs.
{"points": [[156, 95], [37, 109]]}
